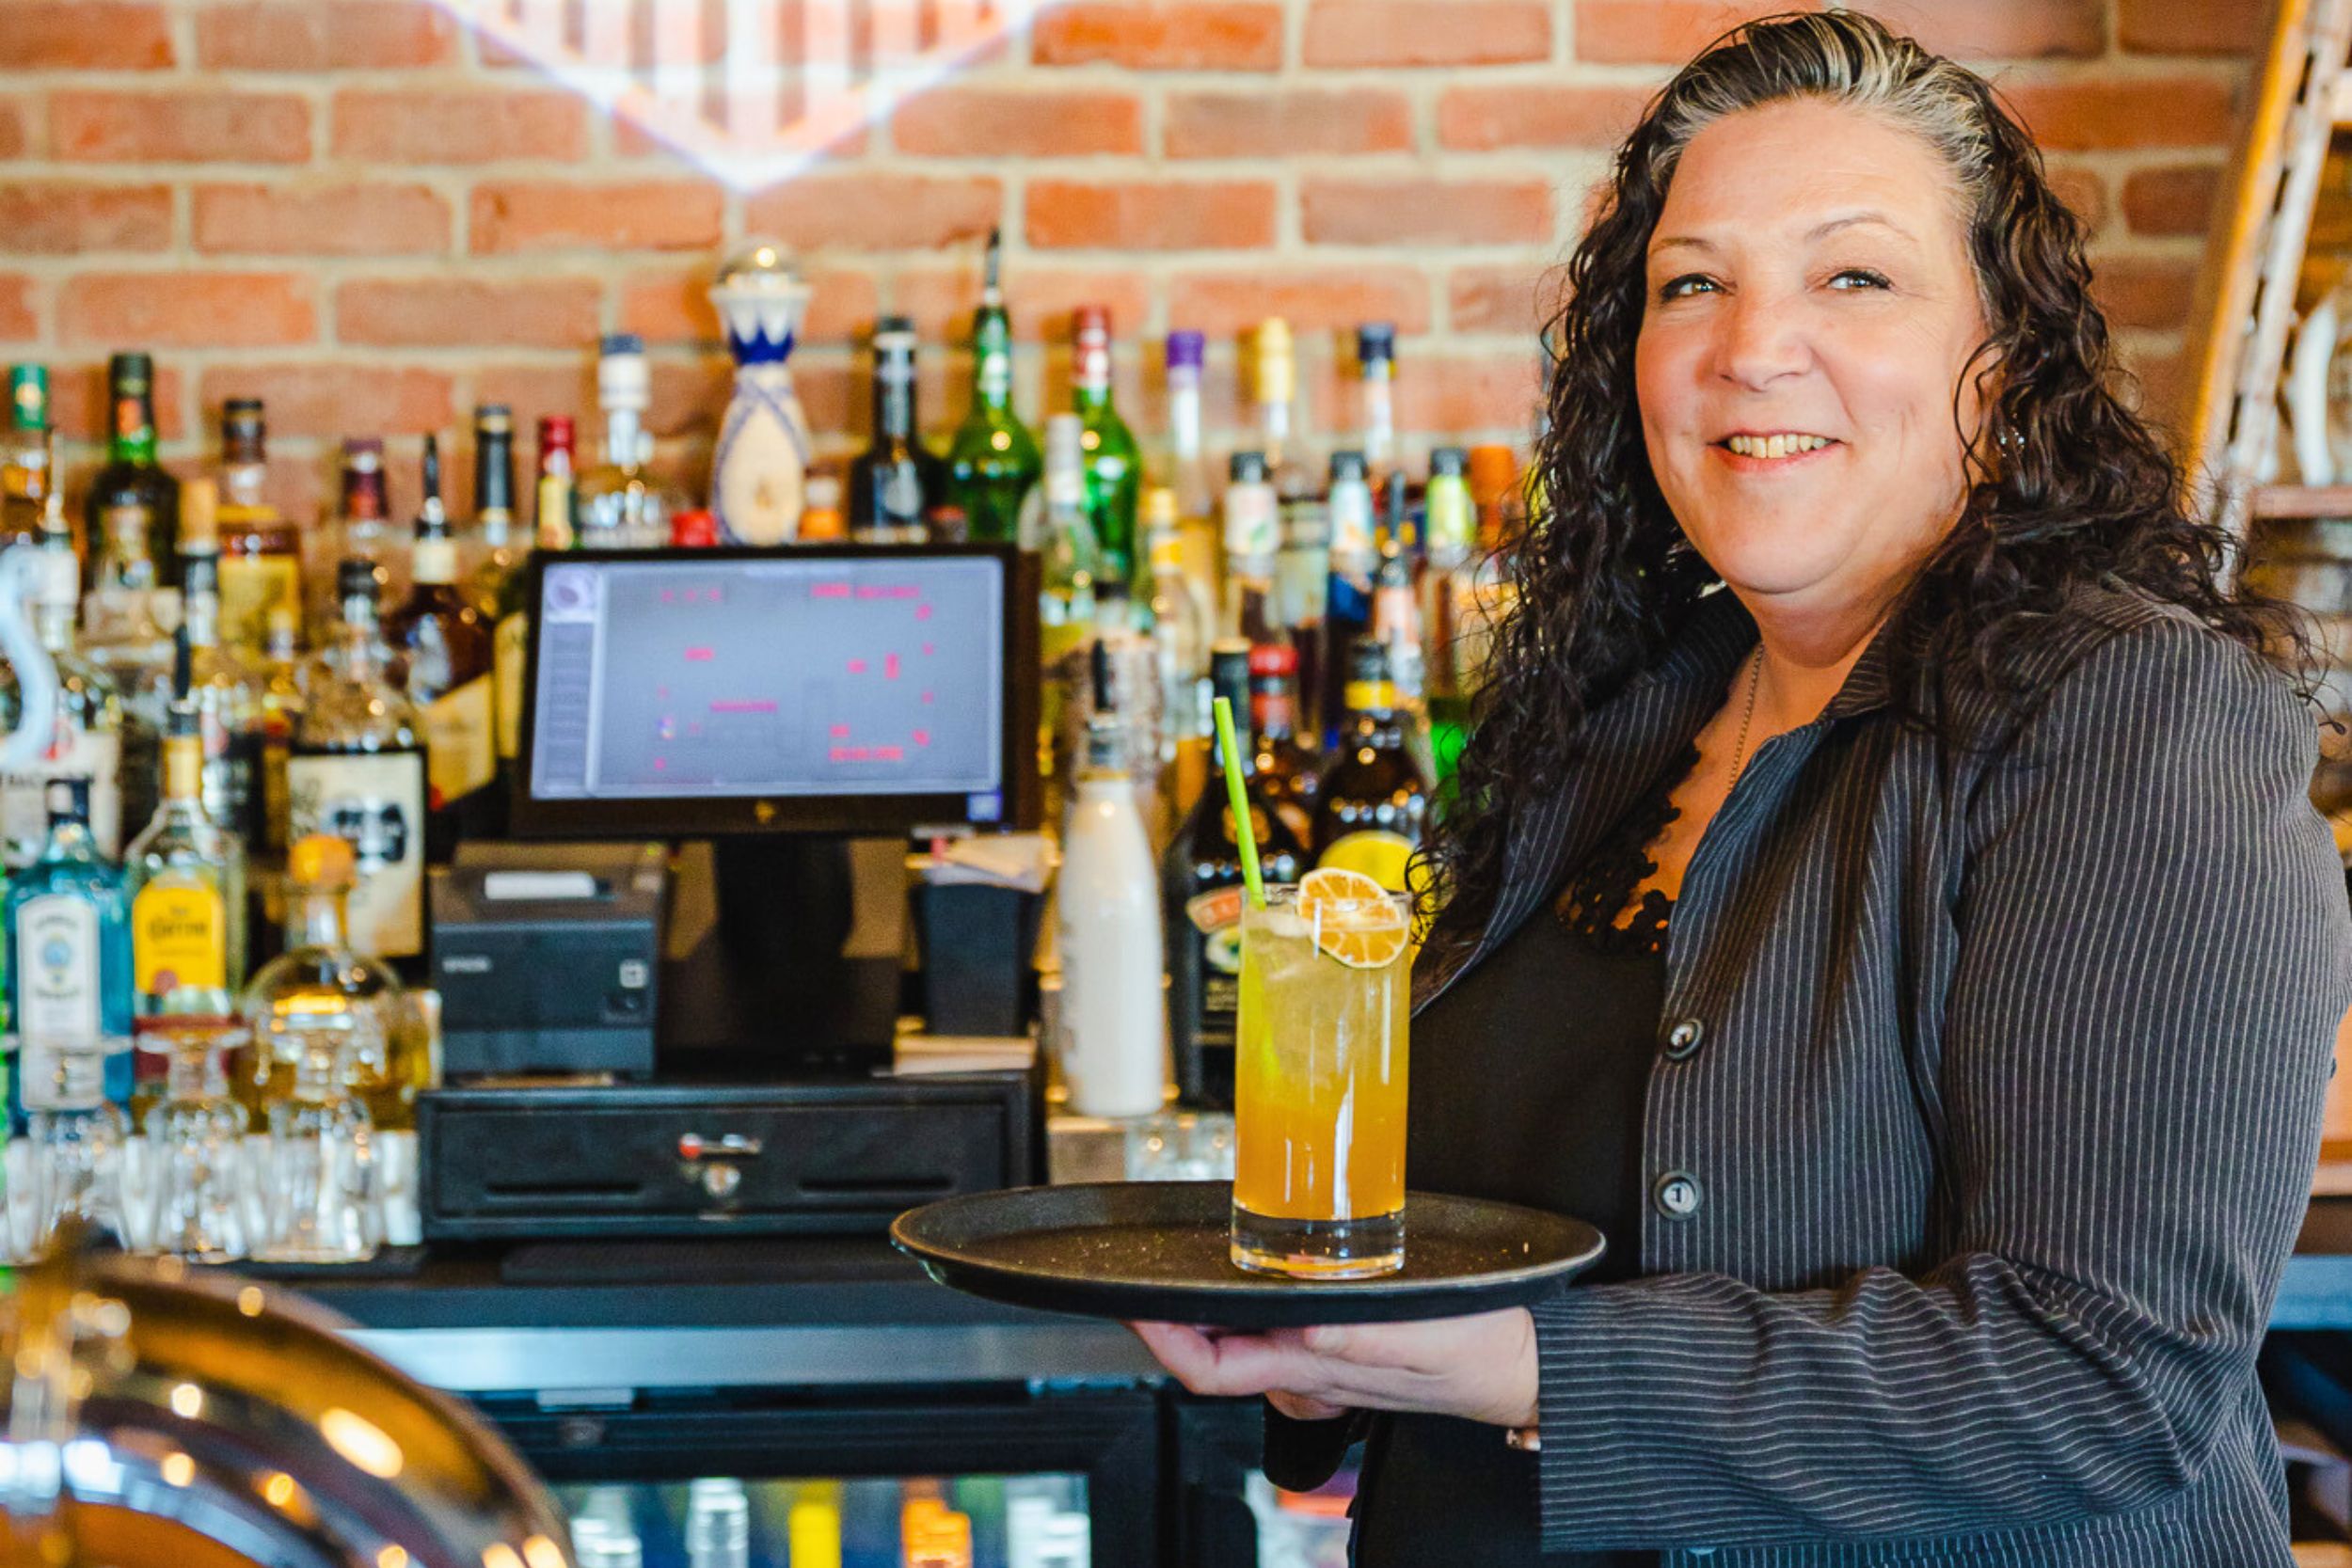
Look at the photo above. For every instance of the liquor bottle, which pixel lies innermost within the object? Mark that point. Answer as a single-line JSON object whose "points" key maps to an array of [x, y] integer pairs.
{"points": [[1290, 769], [1374, 794], [1375, 372], [1274, 388], [1114, 1022], [821, 522], [355, 770], [994, 462], [1447, 602], [69, 955], [88, 740], [1114, 467], [1188, 472], [895, 485], [1182, 626], [1072, 560], [188, 898], [1396, 625], [442, 650], [619, 504], [281, 704], [363, 531], [1347, 596], [25, 474], [1200, 883], [718, 1524], [224, 689], [1252, 531], [260, 552], [555, 528], [490, 548], [328, 980], [133, 505]]}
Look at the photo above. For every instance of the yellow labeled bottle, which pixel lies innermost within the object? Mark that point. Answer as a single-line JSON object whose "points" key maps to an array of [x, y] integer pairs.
{"points": [[187, 915]]}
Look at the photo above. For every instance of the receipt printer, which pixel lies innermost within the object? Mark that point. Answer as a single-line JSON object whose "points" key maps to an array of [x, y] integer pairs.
{"points": [[546, 958]]}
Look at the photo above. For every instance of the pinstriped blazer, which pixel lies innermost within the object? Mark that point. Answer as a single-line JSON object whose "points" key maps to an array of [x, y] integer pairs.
{"points": [[1986, 1108]]}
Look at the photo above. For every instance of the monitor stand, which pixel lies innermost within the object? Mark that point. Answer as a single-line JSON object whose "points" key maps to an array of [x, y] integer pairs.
{"points": [[783, 957]]}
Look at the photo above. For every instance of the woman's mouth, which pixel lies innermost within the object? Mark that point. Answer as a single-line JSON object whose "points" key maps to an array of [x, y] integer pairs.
{"points": [[1753, 451]]}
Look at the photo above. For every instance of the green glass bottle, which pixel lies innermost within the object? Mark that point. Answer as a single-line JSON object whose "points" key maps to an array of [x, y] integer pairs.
{"points": [[133, 504], [1114, 463], [994, 462]]}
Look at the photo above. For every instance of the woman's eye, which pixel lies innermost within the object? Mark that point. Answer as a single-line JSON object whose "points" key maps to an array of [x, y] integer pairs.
{"points": [[1862, 277], [1689, 283]]}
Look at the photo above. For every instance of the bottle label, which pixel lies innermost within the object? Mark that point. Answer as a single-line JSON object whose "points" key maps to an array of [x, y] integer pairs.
{"points": [[461, 740], [178, 938], [510, 648], [74, 753], [57, 984], [49, 1077], [1215, 916], [1382, 855], [373, 802], [1253, 521], [434, 560], [251, 587]]}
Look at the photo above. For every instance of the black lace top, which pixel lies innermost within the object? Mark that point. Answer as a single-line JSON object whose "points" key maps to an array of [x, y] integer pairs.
{"points": [[1592, 902]]}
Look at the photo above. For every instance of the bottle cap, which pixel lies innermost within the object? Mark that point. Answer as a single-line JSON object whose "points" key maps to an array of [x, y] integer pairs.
{"points": [[1090, 319], [1247, 467], [68, 798], [319, 860], [555, 433], [1451, 461], [1375, 340], [694, 529], [1185, 349], [493, 418], [894, 335], [1349, 467], [131, 372], [623, 381], [28, 394], [242, 431], [363, 453], [1493, 468], [1158, 508]]}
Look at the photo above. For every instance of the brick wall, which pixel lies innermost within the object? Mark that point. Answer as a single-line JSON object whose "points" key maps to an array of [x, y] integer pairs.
{"points": [[362, 212]]}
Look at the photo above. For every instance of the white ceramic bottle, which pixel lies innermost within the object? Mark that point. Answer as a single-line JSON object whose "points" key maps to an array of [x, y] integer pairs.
{"points": [[1114, 1018]]}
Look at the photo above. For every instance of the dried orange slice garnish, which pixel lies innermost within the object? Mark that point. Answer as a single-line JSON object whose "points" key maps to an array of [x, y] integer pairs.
{"points": [[1352, 917]]}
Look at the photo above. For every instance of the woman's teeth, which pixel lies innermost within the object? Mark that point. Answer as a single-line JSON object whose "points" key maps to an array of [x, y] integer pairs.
{"points": [[1774, 445]]}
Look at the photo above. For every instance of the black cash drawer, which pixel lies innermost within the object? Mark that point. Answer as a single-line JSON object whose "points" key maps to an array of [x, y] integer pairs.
{"points": [[697, 1159]]}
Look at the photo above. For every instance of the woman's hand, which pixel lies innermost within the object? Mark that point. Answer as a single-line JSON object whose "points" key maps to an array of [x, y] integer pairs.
{"points": [[1481, 1368]]}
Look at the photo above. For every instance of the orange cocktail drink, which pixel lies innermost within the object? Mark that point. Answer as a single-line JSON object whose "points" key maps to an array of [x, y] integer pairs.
{"points": [[1319, 1080]]}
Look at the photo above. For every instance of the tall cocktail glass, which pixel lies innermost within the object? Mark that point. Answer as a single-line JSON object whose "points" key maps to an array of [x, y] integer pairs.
{"points": [[1319, 1080]]}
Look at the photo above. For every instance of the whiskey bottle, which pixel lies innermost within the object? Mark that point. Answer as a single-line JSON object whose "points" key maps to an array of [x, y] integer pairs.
{"points": [[1290, 769], [994, 462], [1200, 879], [363, 531], [260, 553], [1376, 382], [1252, 526], [355, 770], [224, 691], [133, 505], [492, 549], [442, 653]]}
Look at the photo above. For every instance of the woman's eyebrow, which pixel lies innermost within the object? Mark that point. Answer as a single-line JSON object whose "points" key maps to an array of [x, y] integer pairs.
{"points": [[1812, 236]]}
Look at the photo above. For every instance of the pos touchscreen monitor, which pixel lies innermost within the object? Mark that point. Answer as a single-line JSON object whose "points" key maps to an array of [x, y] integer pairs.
{"points": [[849, 689]]}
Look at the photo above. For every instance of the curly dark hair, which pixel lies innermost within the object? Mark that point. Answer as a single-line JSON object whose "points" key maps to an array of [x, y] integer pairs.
{"points": [[2067, 485]]}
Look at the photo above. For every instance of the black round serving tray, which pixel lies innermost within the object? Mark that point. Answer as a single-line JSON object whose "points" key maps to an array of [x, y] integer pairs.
{"points": [[1156, 1251]]}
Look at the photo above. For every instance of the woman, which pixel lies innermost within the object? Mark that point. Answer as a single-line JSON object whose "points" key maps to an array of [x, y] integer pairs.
{"points": [[1884, 898]]}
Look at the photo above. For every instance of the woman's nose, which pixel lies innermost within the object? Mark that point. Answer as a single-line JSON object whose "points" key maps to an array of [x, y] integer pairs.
{"points": [[1758, 341]]}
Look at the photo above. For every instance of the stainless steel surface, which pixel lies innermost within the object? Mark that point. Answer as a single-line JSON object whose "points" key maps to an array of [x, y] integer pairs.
{"points": [[160, 1415], [1054, 1351]]}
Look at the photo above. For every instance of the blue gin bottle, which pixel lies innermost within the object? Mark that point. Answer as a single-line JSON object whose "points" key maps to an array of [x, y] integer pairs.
{"points": [[68, 966]]}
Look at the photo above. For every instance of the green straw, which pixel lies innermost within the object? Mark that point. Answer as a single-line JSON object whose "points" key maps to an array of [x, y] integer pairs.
{"points": [[1237, 793]]}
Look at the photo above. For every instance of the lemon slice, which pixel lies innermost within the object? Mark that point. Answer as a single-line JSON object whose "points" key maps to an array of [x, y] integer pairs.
{"points": [[1353, 918]]}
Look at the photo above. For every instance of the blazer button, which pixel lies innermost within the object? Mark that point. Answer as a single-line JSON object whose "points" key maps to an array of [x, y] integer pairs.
{"points": [[1684, 1038], [1677, 1194]]}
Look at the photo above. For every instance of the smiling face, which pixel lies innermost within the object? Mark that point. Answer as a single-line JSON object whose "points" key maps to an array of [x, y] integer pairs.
{"points": [[1810, 309]]}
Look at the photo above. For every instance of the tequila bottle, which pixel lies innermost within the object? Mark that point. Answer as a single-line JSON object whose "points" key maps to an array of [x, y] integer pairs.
{"points": [[188, 908], [994, 462], [355, 770]]}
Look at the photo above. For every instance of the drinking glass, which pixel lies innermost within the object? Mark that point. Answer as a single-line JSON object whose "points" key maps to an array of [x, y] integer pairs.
{"points": [[195, 1139], [79, 1139], [322, 1188], [1319, 1080]]}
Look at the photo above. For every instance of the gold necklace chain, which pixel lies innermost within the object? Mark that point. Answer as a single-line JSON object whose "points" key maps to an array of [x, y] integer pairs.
{"points": [[1740, 751]]}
